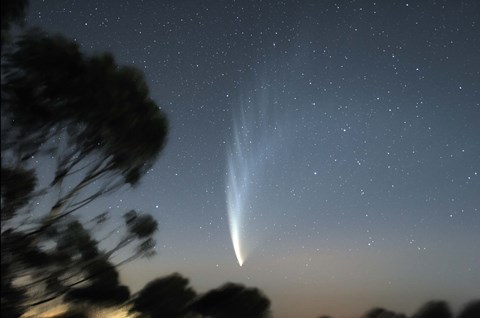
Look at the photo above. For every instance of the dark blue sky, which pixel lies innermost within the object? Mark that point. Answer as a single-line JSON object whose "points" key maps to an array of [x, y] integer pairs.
{"points": [[360, 144]]}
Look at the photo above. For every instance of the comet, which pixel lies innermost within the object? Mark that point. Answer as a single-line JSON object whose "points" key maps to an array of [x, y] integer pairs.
{"points": [[254, 138], [237, 193], [236, 244]]}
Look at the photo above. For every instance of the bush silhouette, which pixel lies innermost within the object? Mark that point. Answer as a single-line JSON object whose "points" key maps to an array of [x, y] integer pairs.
{"points": [[471, 310]]}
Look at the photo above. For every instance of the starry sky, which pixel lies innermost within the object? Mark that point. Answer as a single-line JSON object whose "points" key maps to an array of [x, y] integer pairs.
{"points": [[346, 134]]}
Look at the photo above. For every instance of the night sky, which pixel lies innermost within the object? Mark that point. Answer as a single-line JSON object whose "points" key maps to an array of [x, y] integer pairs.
{"points": [[340, 141]]}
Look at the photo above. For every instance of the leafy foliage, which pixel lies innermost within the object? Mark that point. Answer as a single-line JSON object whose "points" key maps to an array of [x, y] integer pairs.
{"points": [[232, 301], [434, 309], [52, 91], [164, 297], [12, 11], [17, 186], [96, 122], [471, 310]]}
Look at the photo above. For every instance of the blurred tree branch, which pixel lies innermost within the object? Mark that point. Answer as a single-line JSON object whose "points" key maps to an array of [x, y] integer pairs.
{"points": [[96, 122]]}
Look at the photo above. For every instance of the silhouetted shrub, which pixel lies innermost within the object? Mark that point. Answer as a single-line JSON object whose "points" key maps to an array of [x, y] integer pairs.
{"points": [[471, 310], [382, 313], [434, 309], [233, 301]]}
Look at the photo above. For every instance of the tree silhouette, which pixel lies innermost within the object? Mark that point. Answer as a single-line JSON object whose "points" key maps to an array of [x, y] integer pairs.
{"points": [[94, 122], [434, 309], [164, 297], [233, 301], [12, 12], [471, 310], [382, 313]]}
